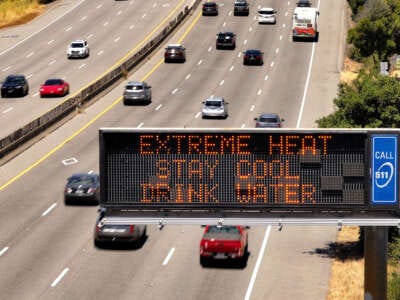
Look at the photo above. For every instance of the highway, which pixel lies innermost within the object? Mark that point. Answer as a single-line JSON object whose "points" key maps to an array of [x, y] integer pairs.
{"points": [[46, 248], [111, 28]]}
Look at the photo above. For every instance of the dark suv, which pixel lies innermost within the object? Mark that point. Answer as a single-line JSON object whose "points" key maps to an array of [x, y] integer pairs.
{"points": [[175, 52], [241, 8], [210, 9], [15, 85], [226, 40]]}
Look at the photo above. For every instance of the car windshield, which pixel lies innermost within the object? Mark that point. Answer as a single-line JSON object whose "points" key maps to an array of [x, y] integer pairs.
{"points": [[213, 103], [223, 229], [174, 48], [53, 82], [253, 52], [266, 12], [16, 80], [268, 120], [134, 87], [77, 45], [210, 4], [83, 180], [240, 4]]}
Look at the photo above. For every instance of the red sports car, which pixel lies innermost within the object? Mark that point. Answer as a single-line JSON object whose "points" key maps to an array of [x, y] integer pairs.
{"points": [[54, 87]]}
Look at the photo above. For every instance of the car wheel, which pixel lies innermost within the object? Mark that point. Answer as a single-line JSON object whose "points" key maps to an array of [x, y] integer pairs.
{"points": [[204, 261], [98, 244]]}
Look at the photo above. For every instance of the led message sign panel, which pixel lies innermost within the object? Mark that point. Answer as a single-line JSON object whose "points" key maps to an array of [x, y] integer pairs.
{"points": [[234, 169]]}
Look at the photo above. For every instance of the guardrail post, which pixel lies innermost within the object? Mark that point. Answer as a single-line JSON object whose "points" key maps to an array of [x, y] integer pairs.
{"points": [[375, 271]]}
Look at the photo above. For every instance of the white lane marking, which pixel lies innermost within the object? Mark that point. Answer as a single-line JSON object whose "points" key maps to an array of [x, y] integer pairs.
{"points": [[258, 263], [252, 107], [98, 6], [69, 28], [224, 24], [174, 91], [222, 82], [212, 96], [230, 13], [286, 13], [266, 77], [259, 6], [69, 161], [35, 94], [29, 55], [277, 50], [49, 42], [259, 92], [117, 39], [155, 5], [89, 36], [131, 27], [166, 5], [281, 37], [81, 66], [144, 15], [170, 253], [43, 28], [7, 110], [90, 172], [283, 25], [243, 125], [288, 3], [244, 42], [119, 12], [239, 54], [158, 107], [209, 49], [49, 209], [105, 24], [100, 52], [272, 64], [130, 3], [197, 115], [140, 125], [52, 62], [231, 68], [187, 76], [4, 250], [83, 18], [199, 63], [55, 282], [250, 29], [303, 100], [7, 68], [255, 18]]}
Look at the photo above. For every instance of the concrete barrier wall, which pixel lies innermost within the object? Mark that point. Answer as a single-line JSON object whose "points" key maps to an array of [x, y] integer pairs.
{"points": [[38, 125]]}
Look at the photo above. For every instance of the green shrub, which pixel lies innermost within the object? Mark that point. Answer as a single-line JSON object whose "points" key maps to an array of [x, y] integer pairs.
{"points": [[393, 289]]}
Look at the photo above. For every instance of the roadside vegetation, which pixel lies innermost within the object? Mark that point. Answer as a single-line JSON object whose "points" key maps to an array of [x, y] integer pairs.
{"points": [[367, 100], [14, 12]]}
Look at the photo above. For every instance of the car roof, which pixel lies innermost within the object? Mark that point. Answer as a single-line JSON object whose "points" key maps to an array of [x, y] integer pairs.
{"points": [[78, 41], [215, 99]]}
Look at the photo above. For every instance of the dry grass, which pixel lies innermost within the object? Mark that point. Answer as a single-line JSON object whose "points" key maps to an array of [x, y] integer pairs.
{"points": [[347, 276], [350, 71], [14, 12]]}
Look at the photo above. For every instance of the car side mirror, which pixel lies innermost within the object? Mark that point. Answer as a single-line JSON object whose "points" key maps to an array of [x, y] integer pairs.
{"points": [[282, 120], [202, 226], [149, 86], [203, 102], [247, 227], [226, 102], [255, 119]]}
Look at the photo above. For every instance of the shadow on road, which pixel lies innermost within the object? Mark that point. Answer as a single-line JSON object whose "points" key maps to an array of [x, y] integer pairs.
{"points": [[340, 250]]}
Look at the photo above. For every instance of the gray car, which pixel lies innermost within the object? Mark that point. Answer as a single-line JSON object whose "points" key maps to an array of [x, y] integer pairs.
{"points": [[137, 92], [116, 229], [214, 108], [269, 120]]}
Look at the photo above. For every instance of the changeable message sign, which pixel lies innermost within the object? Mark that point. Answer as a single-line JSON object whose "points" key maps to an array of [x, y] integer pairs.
{"points": [[384, 169], [181, 169]]}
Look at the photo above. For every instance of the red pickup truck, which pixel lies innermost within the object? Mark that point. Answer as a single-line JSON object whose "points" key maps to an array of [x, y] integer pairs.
{"points": [[224, 242]]}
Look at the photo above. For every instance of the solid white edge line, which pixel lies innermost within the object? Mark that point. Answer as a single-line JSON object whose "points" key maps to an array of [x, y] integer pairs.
{"points": [[303, 100], [169, 255], [252, 107], [4, 250], [7, 110], [48, 25], [49, 209], [55, 282], [258, 263]]}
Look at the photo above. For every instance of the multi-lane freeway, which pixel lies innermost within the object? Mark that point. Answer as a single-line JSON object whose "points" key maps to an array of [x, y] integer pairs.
{"points": [[46, 248]]}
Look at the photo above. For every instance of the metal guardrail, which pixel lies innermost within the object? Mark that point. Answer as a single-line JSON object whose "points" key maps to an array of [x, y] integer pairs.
{"points": [[38, 125]]}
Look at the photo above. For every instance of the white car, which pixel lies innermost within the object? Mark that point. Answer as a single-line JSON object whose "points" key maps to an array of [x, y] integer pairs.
{"points": [[267, 15], [78, 48], [214, 108]]}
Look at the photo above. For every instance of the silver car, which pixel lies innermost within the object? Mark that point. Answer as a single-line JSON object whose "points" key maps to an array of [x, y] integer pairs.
{"points": [[112, 229], [137, 92], [269, 120], [215, 108]]}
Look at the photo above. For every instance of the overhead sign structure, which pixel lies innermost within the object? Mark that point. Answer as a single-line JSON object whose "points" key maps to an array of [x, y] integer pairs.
{"points": [[244, 170]]}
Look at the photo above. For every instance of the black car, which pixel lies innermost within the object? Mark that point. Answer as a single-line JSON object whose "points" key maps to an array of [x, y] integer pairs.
{"points": [[241, 8], [82, 188], [303, 3], [210, 9], [175, 52], [253, 57], [14, 86], [226, 40]]}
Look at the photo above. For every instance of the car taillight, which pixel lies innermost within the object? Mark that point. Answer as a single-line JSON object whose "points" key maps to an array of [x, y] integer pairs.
{"points": [[258, 124], [131, 228], [98, 227], [90, 190]]}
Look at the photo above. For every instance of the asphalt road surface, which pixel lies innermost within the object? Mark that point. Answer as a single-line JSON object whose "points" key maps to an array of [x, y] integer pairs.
{"points": [[46, 248]]}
